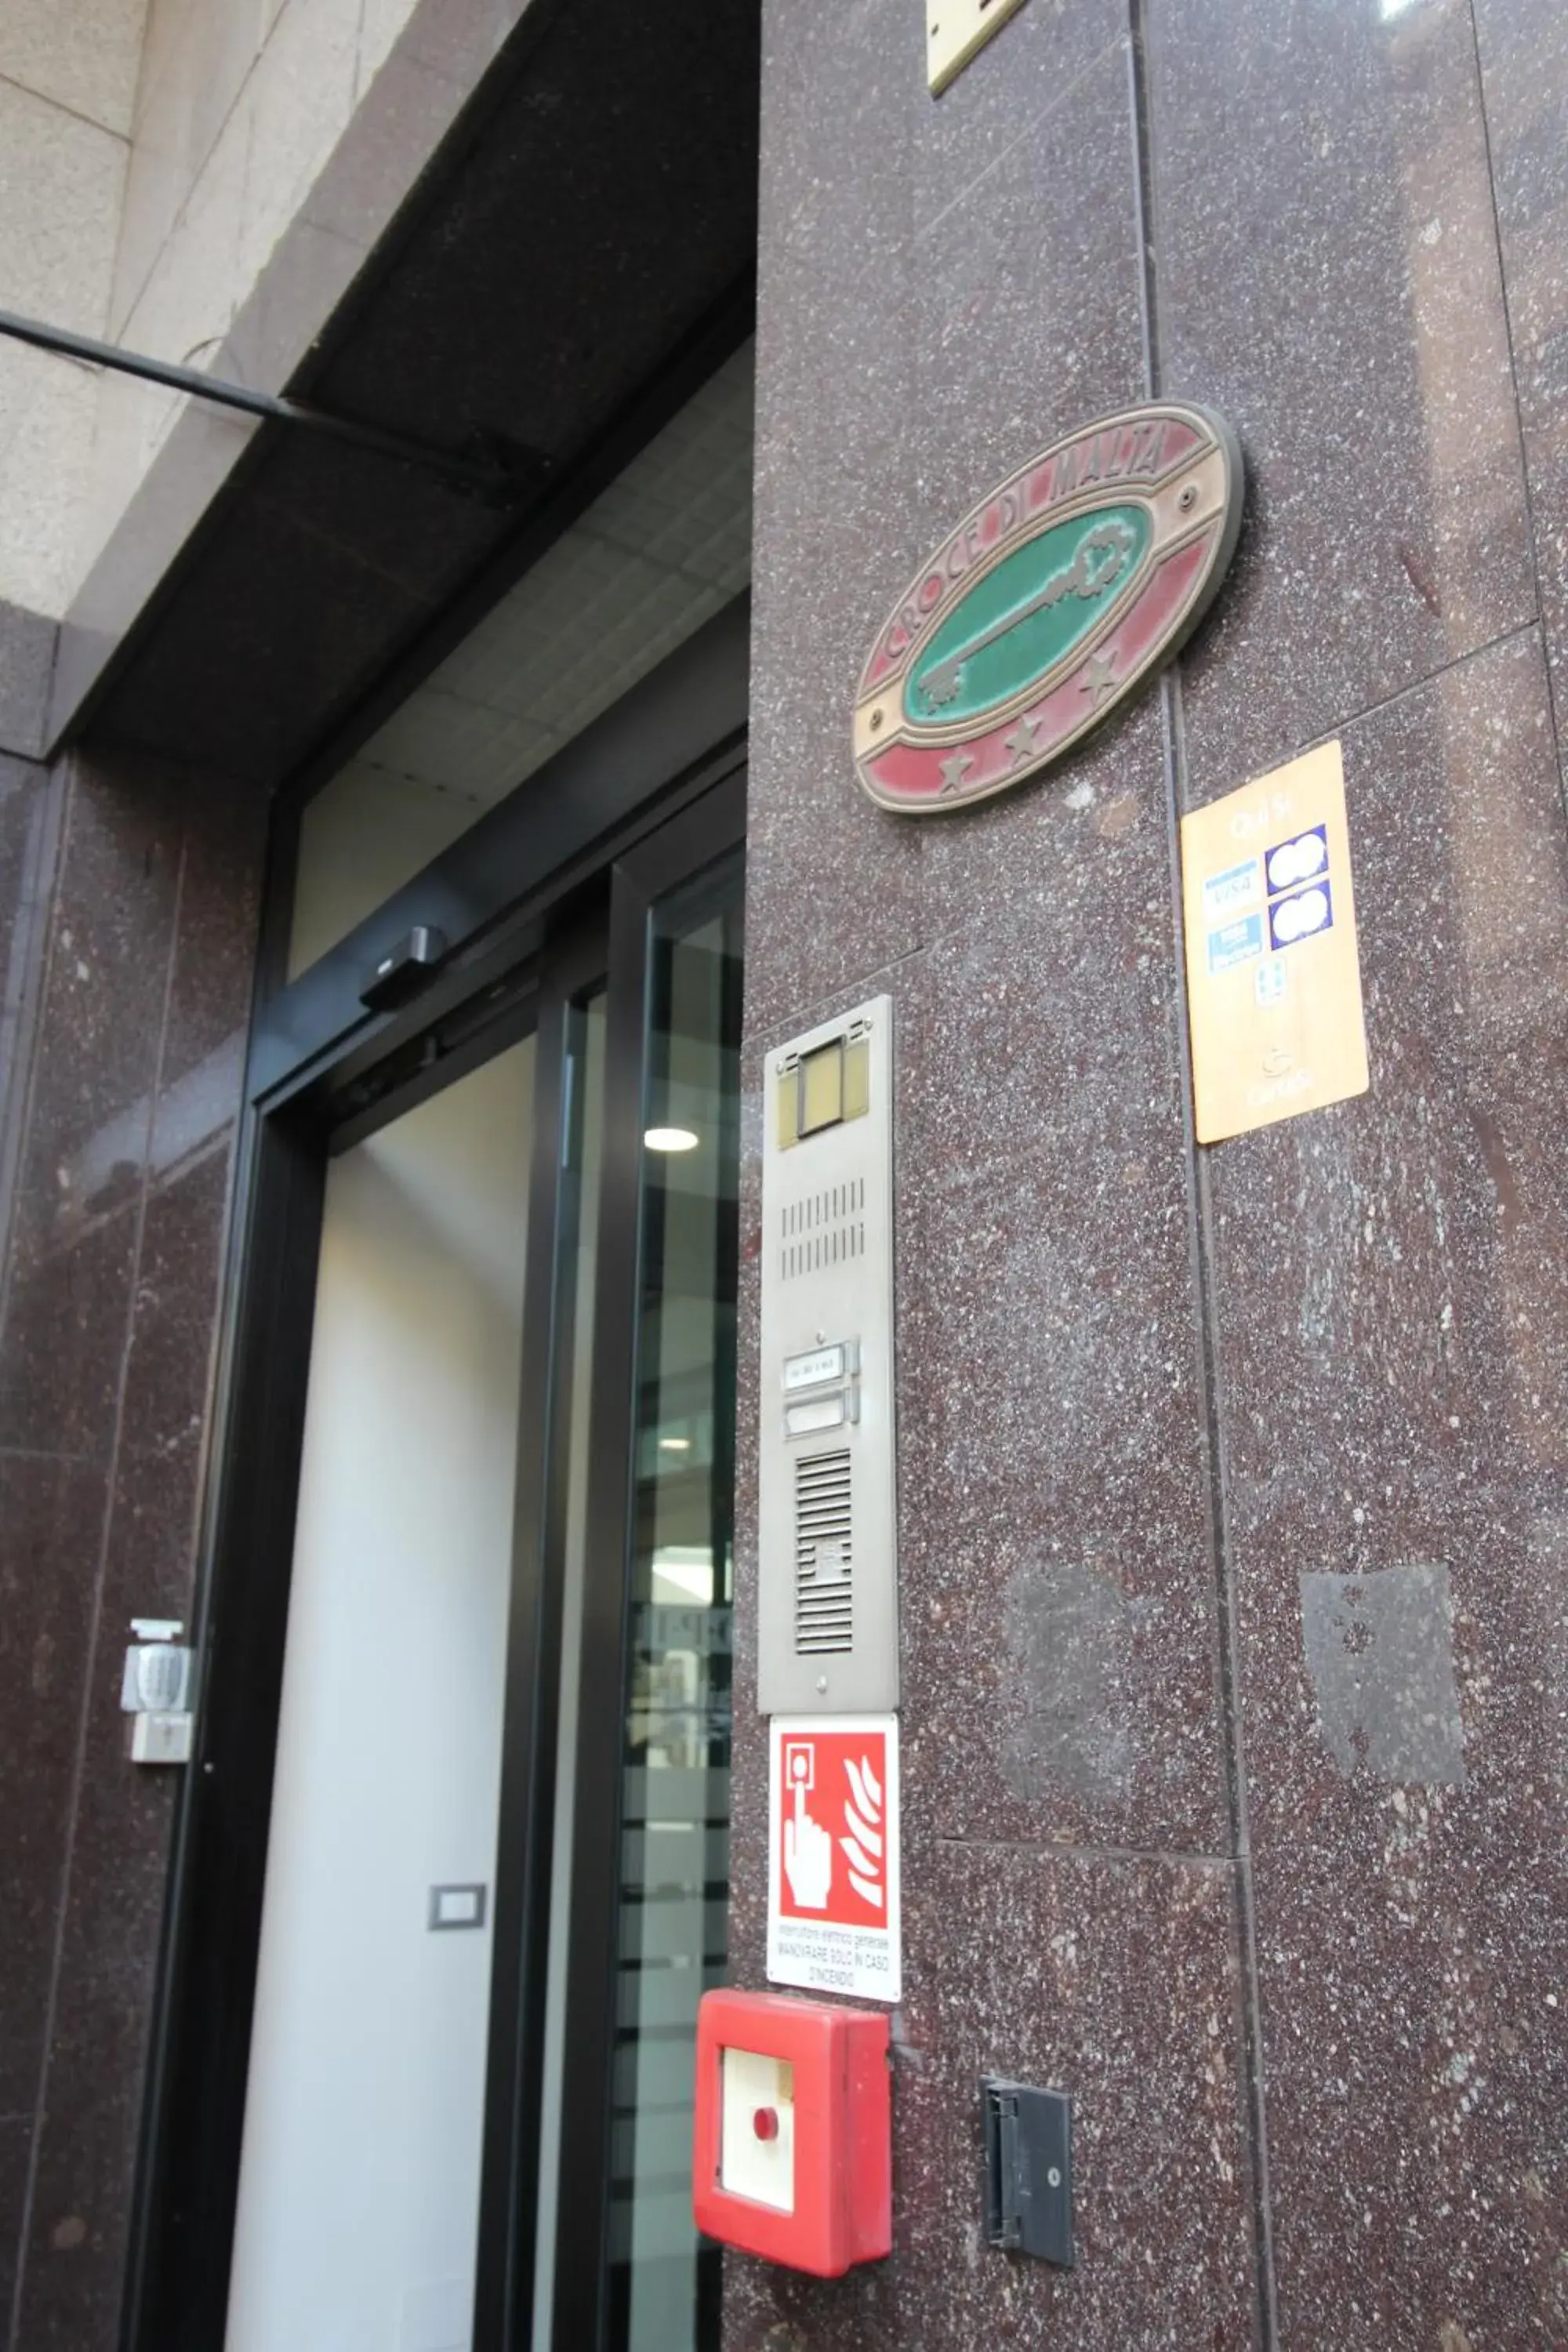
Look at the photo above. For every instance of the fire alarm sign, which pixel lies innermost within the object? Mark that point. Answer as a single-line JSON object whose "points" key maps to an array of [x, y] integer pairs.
{"points": [[833, 1867]]}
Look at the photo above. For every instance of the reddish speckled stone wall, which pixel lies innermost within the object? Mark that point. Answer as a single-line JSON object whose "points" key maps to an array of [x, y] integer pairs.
{"points": [[127, 915], [1233, 1513]]}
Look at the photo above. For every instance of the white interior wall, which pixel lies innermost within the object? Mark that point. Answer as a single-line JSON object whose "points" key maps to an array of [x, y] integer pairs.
{"points": [[359, 840], [359, 2174]]}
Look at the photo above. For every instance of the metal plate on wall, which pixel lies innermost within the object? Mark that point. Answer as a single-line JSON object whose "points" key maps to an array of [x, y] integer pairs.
{"points": [[827, 1628]]}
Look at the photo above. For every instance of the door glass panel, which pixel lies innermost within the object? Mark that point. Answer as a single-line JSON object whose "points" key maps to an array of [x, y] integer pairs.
{"points": [[676, 1768], [582, 1157], [360, 2172]]}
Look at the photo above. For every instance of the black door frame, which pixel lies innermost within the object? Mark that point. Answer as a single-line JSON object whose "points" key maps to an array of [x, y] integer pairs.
{"points": [[555, 879]]}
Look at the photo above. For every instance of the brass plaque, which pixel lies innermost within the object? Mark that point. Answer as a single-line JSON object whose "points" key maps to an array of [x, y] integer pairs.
{"points": [[957, 30], [1273, 970]]}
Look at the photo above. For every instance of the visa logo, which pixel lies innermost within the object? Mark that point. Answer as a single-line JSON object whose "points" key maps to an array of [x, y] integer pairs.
{"points": [[1228, 893]]}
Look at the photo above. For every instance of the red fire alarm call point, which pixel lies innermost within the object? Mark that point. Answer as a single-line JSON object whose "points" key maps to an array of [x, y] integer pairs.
{"points": [[794, 2157]]}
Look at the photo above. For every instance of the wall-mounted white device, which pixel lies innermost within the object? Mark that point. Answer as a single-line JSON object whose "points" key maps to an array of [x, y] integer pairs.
{"points": [[155, 1687], [827, 1626]]}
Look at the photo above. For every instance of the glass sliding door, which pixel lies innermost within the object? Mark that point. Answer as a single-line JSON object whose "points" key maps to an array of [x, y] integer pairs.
{"points": [[497, 1867], [648, 1883], [359, 2184], [675, 1803]]}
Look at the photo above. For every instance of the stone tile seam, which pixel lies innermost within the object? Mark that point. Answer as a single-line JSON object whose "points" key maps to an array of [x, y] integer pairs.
{"points": [[122, 305], [1532, 530], [1144, 193], [99, 1221], [768, 1040], [1232, 1706], [125, 309], [216, 1146], [64, 833], [62, 106], [360, 85], [160, 1180], [35, 2153], [1031, 128], [1131, 1856], [1252, 2119], [53, 1453], [775, 1031], [41, 906], [1526, 624], [1529, 624]]}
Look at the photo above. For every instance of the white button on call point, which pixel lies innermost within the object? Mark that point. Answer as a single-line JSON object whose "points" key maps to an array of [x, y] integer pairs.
{"points": [[756, 2129]]}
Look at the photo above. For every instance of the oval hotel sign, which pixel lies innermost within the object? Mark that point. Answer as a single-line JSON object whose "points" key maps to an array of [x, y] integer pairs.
{"points": [[1047, 605]]}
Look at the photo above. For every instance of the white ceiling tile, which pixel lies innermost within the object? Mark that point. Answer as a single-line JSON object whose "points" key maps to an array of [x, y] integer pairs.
{"points": [[652, 559]]}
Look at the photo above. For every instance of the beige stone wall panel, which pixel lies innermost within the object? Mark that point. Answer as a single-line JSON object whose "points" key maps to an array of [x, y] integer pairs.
{"points": [[82, 55]]}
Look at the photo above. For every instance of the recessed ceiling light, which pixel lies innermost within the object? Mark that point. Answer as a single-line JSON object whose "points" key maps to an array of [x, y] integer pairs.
{"points": [[675, 1445], [670, 1138]]}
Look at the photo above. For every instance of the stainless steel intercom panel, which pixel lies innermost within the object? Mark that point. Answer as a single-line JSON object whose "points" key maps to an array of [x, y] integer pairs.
{"points": [[827, 1634]]}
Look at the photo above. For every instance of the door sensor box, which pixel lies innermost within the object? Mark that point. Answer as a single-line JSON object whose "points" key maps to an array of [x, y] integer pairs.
{"points": [[827, 1633], [792, 2153]]}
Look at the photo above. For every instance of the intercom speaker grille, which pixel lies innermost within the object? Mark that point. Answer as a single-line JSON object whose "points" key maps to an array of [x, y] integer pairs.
{"points": [[824, 1557], [825, 1228]]}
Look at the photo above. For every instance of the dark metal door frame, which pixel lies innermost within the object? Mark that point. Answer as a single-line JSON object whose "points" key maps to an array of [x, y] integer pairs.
{"points": [[645, 873], [514, 2088], [535, 935]]}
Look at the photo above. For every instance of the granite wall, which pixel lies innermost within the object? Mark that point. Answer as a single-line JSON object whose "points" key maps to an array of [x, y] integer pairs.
{"points": [[1234, 1521], [128, 913]]}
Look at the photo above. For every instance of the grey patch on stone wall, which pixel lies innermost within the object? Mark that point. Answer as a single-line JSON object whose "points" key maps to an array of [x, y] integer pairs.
{"points": [[1380, 1651], [1066, 1682]]}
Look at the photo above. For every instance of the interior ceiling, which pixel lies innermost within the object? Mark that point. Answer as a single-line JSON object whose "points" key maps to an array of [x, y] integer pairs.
{"points": [[654, 557]]}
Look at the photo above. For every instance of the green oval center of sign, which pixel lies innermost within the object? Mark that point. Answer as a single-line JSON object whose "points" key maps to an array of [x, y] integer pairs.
{"points": [[1019, 621]]}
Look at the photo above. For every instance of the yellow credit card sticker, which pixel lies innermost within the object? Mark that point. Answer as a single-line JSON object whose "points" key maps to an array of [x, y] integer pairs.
{"points": [[1273, 970]]}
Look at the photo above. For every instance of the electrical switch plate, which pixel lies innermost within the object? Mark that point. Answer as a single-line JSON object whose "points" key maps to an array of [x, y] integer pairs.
{"points": [[161, 1737], [1028, 2170], [957, 30], [457, 1907], [827, 1627]]}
